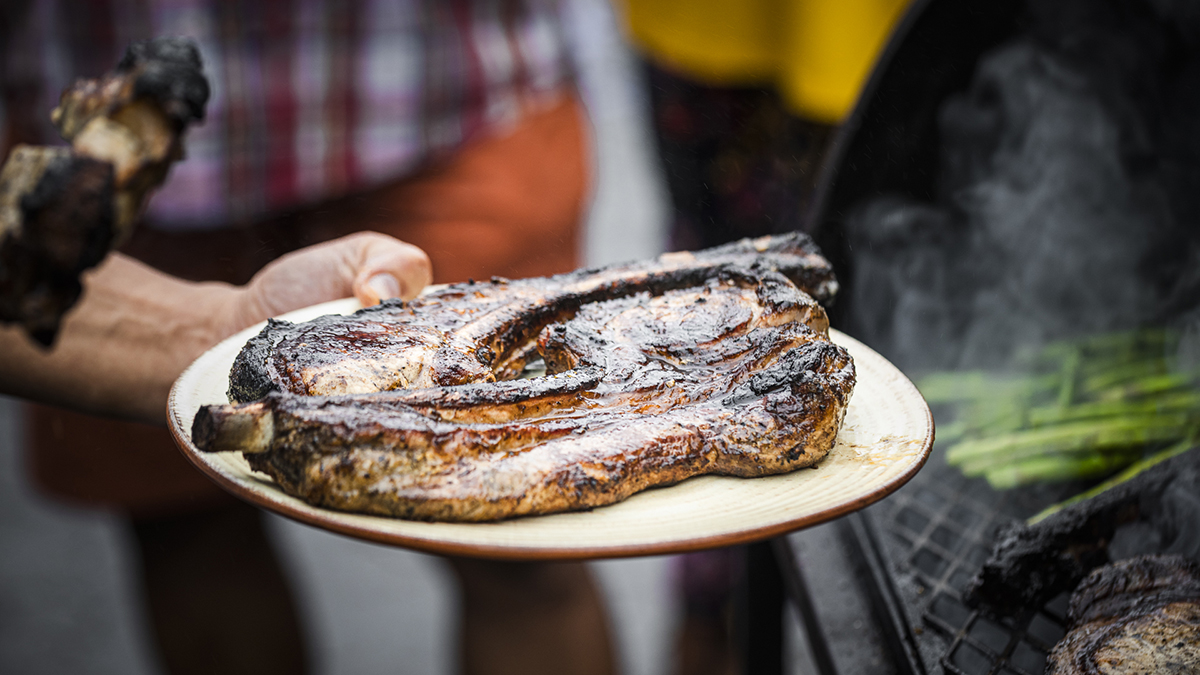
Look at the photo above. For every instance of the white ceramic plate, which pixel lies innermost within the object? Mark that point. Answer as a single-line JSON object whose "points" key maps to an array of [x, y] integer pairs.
{"points": [[884, 440]]}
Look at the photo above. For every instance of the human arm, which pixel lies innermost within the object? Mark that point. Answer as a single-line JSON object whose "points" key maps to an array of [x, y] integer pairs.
{"points": [[136, 329]]}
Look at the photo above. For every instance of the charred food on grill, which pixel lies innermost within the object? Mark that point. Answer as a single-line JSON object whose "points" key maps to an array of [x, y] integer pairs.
{"points": [[63, 208], [1030, 564], [713, 362], [1140, 615]]}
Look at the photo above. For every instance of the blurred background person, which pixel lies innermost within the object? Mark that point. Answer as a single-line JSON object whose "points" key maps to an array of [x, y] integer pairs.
{"points": [[745, 97], [296, 155], [452, 125]]}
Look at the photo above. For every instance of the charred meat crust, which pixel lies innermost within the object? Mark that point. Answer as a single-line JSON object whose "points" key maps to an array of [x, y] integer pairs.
{"points": [[249, 380], [1129, 586], [166, 70], [656, 372], [169, 70], [1133, 616], [39, 272], [482, 329], [63, 209], [1030, 564]]}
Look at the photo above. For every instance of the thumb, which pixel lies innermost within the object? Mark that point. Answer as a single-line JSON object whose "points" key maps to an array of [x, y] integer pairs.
{"points": [[388, 268], [368, 265]]}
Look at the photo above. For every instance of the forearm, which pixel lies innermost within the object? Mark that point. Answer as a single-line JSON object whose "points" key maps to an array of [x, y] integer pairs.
{"points": [[136, 329], [130, 336]]}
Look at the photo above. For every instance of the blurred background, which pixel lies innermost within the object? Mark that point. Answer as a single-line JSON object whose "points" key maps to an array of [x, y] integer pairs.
{"points": [[1011, 210], [698, 137], [69, 598]]}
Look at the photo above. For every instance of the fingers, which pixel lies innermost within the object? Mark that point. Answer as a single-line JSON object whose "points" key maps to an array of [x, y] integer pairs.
{"points": [[367, 265], [381, 286], [388, 268]]}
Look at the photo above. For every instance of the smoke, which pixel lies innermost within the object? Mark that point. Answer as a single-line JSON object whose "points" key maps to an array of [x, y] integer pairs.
{"points": [[1068, 196], [1168, 521]]}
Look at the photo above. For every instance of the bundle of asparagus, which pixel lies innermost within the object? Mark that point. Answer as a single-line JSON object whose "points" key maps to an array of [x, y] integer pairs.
{"points": [[1083, 409]]}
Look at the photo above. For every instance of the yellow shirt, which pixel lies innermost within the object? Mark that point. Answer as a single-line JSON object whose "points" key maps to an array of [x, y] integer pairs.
{"points": [[818, 53]]}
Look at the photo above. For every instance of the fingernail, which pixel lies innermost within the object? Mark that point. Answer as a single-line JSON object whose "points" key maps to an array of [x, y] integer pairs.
{"points": [[385, 286]]}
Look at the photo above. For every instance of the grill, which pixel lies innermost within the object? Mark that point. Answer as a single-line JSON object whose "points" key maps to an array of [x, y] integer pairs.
{"points": [[927, 541], [889, 211], [908, 560], [881, 591]]}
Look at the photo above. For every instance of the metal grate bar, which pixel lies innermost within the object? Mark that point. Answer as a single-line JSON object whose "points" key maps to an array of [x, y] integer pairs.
{"points": [[939, 530]]}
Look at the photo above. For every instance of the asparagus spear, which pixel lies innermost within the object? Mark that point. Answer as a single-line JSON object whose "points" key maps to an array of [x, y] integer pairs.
{"points": [[1116, 432], [1085, 409], [1181, 401], [1053, 468]]}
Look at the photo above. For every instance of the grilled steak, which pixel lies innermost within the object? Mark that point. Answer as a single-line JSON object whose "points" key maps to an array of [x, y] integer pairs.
{"points": [[1135, 616], [62, 209], [714, 362], [478, 332]]}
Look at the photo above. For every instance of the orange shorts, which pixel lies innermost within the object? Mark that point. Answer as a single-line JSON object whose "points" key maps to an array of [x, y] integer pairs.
{"points": [[508, 205]]}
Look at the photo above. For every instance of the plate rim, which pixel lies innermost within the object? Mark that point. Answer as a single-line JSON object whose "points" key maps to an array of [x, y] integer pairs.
{"points": [[315, 516]]}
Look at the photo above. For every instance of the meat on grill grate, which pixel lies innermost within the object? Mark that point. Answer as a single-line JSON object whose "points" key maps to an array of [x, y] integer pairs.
{"points": [[1140, 615], [1030, 564]]}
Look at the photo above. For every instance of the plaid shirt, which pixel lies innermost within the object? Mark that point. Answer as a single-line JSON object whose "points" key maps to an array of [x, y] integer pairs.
{"points": [[311, 98]]}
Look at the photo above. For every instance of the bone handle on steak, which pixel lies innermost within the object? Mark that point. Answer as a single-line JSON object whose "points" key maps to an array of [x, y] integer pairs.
{"points": [[248, 428]]}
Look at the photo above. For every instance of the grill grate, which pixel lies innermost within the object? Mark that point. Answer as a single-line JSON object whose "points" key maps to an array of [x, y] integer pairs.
{"points": [[937, 533]]}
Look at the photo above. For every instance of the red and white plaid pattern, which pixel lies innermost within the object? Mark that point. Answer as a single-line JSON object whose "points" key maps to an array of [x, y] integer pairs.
{"points": [[312, 98]]}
